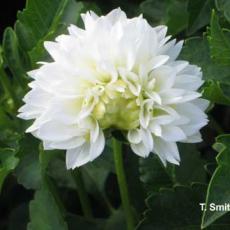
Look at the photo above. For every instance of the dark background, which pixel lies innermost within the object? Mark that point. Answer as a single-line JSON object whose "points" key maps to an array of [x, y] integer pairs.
{"points": [[8, 12]]}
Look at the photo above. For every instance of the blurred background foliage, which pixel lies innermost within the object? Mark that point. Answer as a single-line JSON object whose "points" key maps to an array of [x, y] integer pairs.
{"points": [[38, 193]]}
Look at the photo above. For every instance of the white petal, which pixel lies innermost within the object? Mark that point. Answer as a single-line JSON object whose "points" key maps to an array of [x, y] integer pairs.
{"points": [[134, 136], [96, 148], [147, 139], [75, 31], [167, 151], [145, 113], [178, 66], [78, 156], [201, 103], [140, 149], [155, 129], [161, 32], [68, 144], [94, 132], [193, 139], [89, 19], [172, 133], [174, 96], [154, 63], [172, 49], [56, 131], [190, 82], [165, 78], [116, 15]]}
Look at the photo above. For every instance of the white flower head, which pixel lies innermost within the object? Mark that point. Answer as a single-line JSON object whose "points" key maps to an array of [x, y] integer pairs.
{"points": [[116, 73]]}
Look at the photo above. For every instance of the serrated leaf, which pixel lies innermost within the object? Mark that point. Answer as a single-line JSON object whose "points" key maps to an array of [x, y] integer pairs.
{"points": [[213, 92], [44, 20], [196, 51], [219, 41], [153, 174], [57, 170], [8, 162], [33, 162], [174, 209], [28, 171], [192, 51], [219, 186], [199, 14], [45, 213], [191, 168]]}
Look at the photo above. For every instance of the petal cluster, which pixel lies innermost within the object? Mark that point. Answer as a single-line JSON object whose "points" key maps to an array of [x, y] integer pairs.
{"points": [[116, 73]]}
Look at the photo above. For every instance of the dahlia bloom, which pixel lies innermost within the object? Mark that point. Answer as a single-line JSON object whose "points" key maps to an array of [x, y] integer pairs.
{"points": [[116, 73]]}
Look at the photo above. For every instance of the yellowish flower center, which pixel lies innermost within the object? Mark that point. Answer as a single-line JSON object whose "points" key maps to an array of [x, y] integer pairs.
{"points": [[117, 107]]}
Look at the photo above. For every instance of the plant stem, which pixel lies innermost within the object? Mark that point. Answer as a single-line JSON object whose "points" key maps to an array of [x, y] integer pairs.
{"points": [[119, 165], [84, 199]]}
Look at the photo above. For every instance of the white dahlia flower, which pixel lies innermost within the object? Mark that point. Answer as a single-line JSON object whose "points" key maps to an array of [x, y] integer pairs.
{"points": [[116, 73]]}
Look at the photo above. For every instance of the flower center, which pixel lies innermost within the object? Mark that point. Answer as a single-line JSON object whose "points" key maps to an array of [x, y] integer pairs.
{"points": [[117, 107]]}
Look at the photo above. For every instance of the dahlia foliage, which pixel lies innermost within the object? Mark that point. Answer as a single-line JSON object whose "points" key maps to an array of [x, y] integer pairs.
{"points": [[115, 74]]}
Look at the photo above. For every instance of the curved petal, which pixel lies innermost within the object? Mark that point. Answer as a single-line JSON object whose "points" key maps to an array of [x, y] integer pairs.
{"points": [[78, 156], [167, 151], [97, 147], [140, 149], [134, 136]]}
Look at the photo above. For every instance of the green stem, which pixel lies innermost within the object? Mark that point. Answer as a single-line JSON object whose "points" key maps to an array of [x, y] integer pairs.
{"points": [[7, 87], [84, 199], [119, 165]]}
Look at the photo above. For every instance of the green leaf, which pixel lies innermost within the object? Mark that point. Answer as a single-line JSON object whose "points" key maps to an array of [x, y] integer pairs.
{"points": [[116, 221], [153, 174], [154, 11], [45, 213], [16, 59], [9, 139], [177, 16], [191, 52], [196, 51], [174, 209], [191, 168], [166, 12], [5, 119], [199, 14], [33, 162], [79, 222], [8, 162], [213, 92], [219, 186], [57, 170], [43, 20], [224, 7], [28, 171], [219, 41]]}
